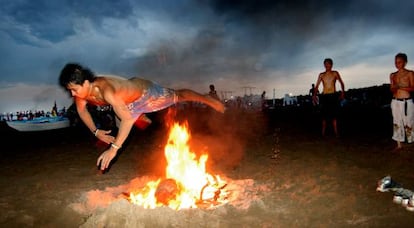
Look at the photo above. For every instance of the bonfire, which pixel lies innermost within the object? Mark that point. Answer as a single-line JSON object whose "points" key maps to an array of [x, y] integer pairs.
{"points": [[186, 195], [186, 184]]}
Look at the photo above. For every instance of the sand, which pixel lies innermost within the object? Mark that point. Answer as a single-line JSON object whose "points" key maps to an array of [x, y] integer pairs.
{"points": [[281, 171]]}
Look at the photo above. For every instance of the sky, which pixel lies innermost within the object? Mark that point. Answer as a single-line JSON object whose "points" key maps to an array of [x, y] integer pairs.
{"points": [[244, 46]]}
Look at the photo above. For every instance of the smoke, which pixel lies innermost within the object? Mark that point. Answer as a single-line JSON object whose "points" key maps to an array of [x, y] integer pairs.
{"points": [[224, 137], [207, 57]]}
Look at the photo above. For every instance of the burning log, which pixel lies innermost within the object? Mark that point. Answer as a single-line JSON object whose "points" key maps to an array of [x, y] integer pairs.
{"points": [[216, 193], [167, 190]]}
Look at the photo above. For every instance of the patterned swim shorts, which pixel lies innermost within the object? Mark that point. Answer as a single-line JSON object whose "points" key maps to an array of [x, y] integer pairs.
{"points": [[153, 99]]}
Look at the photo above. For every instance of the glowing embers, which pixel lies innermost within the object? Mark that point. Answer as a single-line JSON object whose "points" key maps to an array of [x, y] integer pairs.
{"points": [[187, 184]]}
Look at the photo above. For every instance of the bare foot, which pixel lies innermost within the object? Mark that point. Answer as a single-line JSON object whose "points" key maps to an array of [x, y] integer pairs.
{"points": [[220, 107], [216, 104], [143, 122]]}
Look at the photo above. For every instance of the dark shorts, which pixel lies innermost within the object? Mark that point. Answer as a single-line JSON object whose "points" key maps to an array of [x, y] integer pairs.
{"points": [[329, 104]]}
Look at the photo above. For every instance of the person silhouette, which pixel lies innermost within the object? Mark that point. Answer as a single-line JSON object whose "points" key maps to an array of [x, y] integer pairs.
{"points": [[329, 99], [213, 92]]}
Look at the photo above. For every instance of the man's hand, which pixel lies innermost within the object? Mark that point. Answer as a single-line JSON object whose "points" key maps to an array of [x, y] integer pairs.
{"points": [[105, 136], [106, 157]]}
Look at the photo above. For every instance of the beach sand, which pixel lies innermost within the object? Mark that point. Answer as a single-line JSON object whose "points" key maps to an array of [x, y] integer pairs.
{"points": [[284, 173]]}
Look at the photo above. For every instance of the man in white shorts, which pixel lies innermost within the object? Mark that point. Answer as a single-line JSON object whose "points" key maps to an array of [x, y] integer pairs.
{"points": [[402, 107]]}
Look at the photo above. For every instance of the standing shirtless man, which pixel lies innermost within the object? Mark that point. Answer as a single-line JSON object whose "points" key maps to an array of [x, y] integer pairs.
{"points": [[129, 98], [329, 100], [402, 107]]}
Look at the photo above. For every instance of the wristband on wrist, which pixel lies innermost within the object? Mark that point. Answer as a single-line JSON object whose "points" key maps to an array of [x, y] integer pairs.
{"points": [[115, 146], [96, 132]]}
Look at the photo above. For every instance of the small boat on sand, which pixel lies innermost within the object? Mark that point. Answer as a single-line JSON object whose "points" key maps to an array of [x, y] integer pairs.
{"points": [[40, 123]]}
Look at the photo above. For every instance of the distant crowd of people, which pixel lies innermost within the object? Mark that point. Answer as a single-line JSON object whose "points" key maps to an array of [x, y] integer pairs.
{"points": [[30, 115], [247, 102]]}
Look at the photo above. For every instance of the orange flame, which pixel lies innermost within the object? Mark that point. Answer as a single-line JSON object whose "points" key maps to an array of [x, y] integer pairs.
{"points": [[187, 183]]}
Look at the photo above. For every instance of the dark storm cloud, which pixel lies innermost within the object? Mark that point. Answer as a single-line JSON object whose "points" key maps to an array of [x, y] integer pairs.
{"points": [[283, 29], [303, 12], [186, 43], [53, 20], [288, 26], [238, 37]]}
